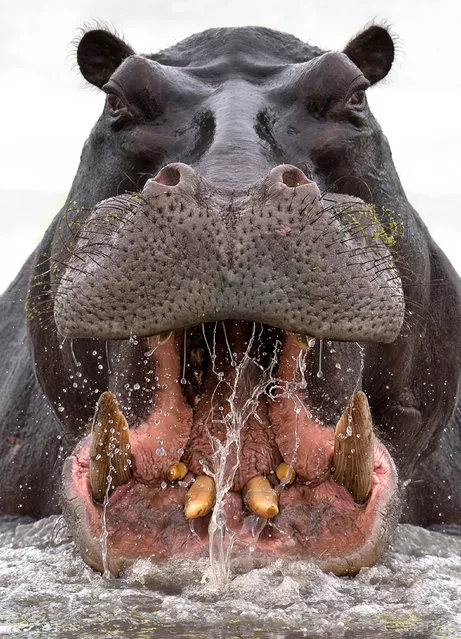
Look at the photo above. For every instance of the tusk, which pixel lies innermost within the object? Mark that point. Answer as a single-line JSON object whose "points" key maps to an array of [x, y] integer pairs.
{"points": [[110, 457], [353, 454]]}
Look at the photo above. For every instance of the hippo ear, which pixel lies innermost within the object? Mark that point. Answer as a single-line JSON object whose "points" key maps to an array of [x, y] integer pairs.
{"points": [[99, 53], [372, 51]]}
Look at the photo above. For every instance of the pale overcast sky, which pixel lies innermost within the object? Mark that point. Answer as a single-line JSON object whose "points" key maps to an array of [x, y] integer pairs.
{"points": [[47, 111]]}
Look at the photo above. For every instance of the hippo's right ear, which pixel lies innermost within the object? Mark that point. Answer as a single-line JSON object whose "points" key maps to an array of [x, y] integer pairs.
{"points": [[373, 52], [99, 53]]}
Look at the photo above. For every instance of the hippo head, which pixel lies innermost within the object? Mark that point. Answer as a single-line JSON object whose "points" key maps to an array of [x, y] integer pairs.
{"points": [[217, 311]]}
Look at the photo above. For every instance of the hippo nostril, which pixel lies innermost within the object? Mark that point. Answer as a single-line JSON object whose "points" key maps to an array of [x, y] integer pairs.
{"points": [[169, 176], [294, 177]]}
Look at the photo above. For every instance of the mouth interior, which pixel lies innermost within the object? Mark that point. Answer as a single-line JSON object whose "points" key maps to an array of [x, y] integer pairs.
{"points": [[232, 401]]}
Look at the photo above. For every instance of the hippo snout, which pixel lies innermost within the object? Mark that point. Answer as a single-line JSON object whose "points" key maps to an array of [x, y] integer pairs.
{"points": [[182, 252]]}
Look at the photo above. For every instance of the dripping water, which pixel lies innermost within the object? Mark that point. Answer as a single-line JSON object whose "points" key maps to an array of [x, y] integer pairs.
{"points": [[229, 350], [356, 388], [320, 372], [183, 378], [221, 539], [109, 368], [76, 362]]}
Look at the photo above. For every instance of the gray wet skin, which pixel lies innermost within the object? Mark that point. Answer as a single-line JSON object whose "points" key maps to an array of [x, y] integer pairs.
{"points": [[238, 175], [284, 255]]}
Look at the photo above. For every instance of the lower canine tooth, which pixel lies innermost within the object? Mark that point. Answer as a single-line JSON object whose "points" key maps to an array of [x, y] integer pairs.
{"points": [[285, 473], [354, 450], [260, 498], [110, 455], [200, 498], [176, 472]]}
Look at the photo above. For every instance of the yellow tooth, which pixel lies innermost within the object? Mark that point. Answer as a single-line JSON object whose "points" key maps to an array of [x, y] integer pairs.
{"points": [[260, 498], [353, 454], [285, 473], [176, 472], [302, 341], [110, 448], [159, 339], [164, 337], [200, 498]]}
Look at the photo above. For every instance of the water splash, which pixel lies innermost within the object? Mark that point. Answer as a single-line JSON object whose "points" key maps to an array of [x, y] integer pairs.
{"points": [[221, 539], [241, 408]]}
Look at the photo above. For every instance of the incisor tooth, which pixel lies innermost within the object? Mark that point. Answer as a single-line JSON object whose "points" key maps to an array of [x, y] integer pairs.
{"points": [[200, 498], [260, 498], [176, 472], [110, 447], [354, 450], [285, 473]]}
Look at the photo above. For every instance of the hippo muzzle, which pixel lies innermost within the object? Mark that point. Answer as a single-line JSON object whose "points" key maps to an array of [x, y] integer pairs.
{"points": [[178, 254], [221, 302]]}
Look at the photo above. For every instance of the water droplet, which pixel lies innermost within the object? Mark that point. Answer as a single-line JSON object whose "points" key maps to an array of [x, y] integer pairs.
{"points": [[183, 381], [338, 365], [136, 386]]}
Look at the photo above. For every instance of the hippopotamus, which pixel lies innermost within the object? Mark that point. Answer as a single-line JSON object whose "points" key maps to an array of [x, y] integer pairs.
{"points": [[237, 329]]}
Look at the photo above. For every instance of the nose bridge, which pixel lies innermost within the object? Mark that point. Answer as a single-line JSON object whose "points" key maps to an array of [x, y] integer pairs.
{"points": [[235, 158]]}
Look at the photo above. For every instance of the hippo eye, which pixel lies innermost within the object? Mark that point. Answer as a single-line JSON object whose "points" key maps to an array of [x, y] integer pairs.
{"points": [[118, 109], [114, 103], [357, 100]]}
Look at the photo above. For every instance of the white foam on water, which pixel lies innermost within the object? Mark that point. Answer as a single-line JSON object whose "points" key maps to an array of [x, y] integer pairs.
{"points": [[47, 591]]}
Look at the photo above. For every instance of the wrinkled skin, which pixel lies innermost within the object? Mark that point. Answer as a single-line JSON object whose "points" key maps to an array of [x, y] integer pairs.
{"points": [[236, 181]]}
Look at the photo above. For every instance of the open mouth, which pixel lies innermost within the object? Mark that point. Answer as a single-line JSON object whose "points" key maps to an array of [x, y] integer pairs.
{"points": [[221, 431]]}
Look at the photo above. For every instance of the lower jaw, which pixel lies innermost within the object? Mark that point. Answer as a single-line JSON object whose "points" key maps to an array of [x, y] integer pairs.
{"points": [[320, 524], [318, 519]]}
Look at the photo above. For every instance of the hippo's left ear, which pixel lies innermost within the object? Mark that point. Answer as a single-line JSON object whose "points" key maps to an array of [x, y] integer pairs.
{"points": [[99, 53], [373, 52]]}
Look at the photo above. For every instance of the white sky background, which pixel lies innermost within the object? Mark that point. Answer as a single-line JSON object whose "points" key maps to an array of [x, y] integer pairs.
{"points": [[47, 110]]}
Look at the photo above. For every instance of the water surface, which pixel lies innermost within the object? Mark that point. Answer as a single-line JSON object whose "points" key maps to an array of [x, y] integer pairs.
{"points": [[47, 591]]}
